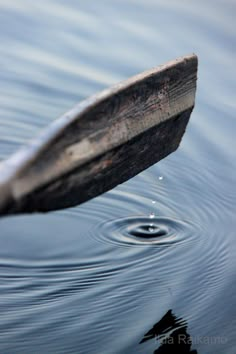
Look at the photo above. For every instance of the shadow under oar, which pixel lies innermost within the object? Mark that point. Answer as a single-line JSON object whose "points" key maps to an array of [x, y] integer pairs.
{"points": [[171, 333]]}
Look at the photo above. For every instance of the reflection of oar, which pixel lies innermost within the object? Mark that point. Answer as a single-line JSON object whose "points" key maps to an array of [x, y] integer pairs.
{"points": [[102, 142]]}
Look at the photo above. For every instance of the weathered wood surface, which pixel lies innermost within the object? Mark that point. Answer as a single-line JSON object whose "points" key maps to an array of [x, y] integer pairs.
{"points": [[102, 142]]}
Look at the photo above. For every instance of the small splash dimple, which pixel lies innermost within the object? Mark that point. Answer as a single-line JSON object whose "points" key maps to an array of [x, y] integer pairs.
{"points": [[151, 228], [144, 230]]}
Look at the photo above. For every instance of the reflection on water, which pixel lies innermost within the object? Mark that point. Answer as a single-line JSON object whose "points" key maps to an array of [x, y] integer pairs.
{"points": [[94, 279], [172, 334]]}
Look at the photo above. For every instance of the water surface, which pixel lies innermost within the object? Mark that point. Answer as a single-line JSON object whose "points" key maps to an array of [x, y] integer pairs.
{"points": [[155, 257]]}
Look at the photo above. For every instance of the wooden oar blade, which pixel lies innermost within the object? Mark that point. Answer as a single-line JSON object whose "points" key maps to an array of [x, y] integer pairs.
{"points": [[102, 142]]}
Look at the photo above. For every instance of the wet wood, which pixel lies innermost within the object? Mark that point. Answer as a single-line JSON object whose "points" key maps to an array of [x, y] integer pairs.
{"points": [[102, 142]]}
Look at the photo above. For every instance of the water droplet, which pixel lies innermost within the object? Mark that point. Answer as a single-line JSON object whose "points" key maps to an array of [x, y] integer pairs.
{"points": [[153, 202], [151, 229], [152, 216], [160, 178]]}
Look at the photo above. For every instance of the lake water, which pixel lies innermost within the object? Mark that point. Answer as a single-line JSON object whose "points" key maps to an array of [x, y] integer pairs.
{"points": [[76, 281]]}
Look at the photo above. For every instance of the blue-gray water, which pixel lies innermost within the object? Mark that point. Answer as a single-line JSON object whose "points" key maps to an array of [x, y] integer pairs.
{"points": [[78, 281]]}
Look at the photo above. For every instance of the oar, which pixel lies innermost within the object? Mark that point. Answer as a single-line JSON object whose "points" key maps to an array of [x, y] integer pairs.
{"points": [[102, 142]]}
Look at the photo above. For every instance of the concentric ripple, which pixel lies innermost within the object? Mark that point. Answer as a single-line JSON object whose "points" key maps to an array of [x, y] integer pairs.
{"points": [[143, 230]]}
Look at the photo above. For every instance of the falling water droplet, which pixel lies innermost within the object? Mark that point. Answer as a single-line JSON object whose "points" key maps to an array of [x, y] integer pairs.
{"points": [[160, 178], [152, 216], [153, 202]]}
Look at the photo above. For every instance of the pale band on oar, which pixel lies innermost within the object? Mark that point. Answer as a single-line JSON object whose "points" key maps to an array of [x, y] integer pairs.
{"points": [[102, 142]]}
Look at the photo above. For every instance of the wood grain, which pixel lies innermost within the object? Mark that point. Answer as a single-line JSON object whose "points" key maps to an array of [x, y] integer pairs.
{"points": [[102, 142]]}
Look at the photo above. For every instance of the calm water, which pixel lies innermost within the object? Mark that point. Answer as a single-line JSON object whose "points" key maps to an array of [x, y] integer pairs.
{"points": [[80, 280]]}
